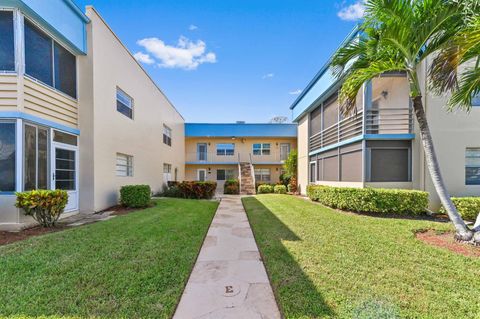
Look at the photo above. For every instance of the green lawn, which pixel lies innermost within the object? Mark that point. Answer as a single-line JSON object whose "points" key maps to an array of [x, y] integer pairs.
{"points": [[132, 266], [329, 264]]}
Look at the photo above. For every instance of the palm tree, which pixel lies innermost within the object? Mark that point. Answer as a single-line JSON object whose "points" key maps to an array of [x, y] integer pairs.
{"points": [[398, 35]]}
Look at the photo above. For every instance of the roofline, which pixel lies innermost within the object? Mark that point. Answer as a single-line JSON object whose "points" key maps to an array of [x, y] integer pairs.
{"points": [[77, 10], [325, 67], [131, 55]]}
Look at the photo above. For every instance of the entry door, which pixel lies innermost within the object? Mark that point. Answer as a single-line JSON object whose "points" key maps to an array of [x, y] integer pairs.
{"points": [[284, 151], [65, 173], [202, 151], [202, 175]]}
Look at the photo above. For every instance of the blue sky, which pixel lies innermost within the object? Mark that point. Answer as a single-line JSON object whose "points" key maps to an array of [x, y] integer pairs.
{"points": [[229, 60]]}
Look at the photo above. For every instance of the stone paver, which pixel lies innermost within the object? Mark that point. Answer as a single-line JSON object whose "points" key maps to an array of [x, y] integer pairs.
{"points": [[229, 279]]}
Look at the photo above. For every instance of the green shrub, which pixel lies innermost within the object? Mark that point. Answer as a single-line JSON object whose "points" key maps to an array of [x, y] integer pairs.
{"points": [[280, 189], [370, 200], [232, 187], [172, 191], [265, 189], [468, 207], [135, 196], [197, 190], [45, 206]]}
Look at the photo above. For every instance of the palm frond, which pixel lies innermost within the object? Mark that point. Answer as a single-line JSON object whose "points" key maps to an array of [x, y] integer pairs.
{"points": [[469, 86]]}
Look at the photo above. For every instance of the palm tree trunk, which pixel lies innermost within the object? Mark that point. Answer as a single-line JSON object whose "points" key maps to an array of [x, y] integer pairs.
{"points": [[463, 232]]}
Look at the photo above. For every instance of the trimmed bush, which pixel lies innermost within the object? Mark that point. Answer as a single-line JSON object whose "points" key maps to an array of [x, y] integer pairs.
{"points": [[232, 187], [172, 191], [280, 189], [135, 196], [265, 189], [370, 200], [45, 206], [197, 190], [468, 207]]}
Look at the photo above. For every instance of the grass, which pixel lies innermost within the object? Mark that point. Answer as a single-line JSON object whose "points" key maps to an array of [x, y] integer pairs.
{"points": [[328, 264], [132, 266]]}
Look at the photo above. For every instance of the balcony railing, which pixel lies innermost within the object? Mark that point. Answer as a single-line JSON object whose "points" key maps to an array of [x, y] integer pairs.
{"points": [[208, 157], [378, 121]]}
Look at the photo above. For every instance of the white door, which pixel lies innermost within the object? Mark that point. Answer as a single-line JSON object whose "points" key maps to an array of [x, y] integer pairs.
{"points": [[284, 151], [65, 173], [202, 175]]}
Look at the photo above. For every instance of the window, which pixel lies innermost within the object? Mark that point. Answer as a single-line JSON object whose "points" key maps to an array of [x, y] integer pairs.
{"points": [[389, 165], [312, 172], [64, 138], [47, 61], [224, 174], [7, 43], [35, 158], [476, 100], [472, 166], [261, 149], [262, 175], [124, 165], [7, 156], [227, 149], [167, 135], [167, 168], [65, 169], [124, 104]]}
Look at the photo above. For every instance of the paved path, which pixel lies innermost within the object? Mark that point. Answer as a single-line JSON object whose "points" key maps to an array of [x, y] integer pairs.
{"points": [[229, 279]]}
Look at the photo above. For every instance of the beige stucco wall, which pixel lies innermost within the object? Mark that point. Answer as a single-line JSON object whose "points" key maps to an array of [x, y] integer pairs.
{"points": [[109, 132], [303, 159], [243, 147]]}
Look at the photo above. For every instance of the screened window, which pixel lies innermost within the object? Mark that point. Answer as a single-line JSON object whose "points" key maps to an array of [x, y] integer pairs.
{"points": [[167, 135], [312, 172], [43, 55], [7, 157], [64, 138], [7, 43], [35, 158], [124, 165], [224, 174], [65, 170], [227, 149], [167, 168], [389, 165], [472, 166], [316, 121], [261, 149], [262, 175], [124, 104]]}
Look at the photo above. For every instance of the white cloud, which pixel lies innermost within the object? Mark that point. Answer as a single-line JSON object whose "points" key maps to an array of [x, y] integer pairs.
{"points": [[295, 92], [352, 12], [186, 54], [268, 76], [144, 58], [192, 27]]}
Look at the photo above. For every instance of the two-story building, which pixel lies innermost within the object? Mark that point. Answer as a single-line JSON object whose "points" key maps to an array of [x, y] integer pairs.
{"points": [[379, 145], [216, 152], [77, 111]]}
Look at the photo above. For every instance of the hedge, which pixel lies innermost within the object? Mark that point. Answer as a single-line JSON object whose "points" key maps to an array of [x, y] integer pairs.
{"points": [[197, 190], [280, 189], [135, 196], [45, 206], [468, 207], [370, 200], [232, 187], [265, 189]]}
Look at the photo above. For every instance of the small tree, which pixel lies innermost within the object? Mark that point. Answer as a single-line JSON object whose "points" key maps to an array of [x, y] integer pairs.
{"points": [[290, 167]]}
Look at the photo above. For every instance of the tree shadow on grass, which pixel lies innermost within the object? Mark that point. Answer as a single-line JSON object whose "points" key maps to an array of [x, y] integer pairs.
{"points": [[295, 292]]}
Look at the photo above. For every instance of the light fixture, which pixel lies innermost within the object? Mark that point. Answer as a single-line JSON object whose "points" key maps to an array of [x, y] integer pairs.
{"points": [[384, 94]]}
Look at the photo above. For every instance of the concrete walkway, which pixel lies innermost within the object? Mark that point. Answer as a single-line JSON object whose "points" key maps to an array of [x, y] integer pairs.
{"points": [[229, 279]]}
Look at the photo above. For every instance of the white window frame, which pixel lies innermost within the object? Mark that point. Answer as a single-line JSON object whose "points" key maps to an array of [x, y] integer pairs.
{"points": [[263, 149], [223, 149], [129, 102], [128, 165], [475, 149], [167, 168], [167, 135], [261, 172]]}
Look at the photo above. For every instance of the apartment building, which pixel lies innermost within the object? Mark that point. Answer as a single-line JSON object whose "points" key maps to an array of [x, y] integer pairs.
{"points": [[217, 152], [379, 145], [77, 112]]}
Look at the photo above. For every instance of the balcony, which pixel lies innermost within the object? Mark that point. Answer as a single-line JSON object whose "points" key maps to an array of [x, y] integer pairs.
{"points": [[212, 158]]}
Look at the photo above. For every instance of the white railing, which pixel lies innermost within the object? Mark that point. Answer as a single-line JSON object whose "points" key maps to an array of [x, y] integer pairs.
{"points": [[236, 157]]}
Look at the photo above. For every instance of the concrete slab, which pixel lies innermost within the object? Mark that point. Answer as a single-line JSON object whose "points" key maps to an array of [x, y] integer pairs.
{"points": [[229, 279]]}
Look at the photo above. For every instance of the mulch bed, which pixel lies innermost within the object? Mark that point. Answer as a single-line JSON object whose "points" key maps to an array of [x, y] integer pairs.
{"points": [[11, 237], [446, 240]]}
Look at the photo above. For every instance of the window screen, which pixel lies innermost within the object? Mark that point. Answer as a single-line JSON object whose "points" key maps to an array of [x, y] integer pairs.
{"points": [[472, 166], [7, 157], [7, 43], [389, 165], [65, 71], [38, 54]]}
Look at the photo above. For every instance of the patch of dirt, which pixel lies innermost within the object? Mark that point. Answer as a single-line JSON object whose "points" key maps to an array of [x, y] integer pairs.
{"points": [[120, 210], [446, 240], [11, 237]]}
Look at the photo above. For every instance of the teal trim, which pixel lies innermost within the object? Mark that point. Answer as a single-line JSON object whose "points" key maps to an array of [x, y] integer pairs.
{"points": [[364, 137], [38, 120]]}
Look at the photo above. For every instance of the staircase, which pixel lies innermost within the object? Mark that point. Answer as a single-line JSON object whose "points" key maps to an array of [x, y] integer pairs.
{"points": [[247, 184]]}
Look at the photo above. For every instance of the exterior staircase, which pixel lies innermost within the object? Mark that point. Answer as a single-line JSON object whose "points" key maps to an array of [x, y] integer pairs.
{"points": [[247, 183]]}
